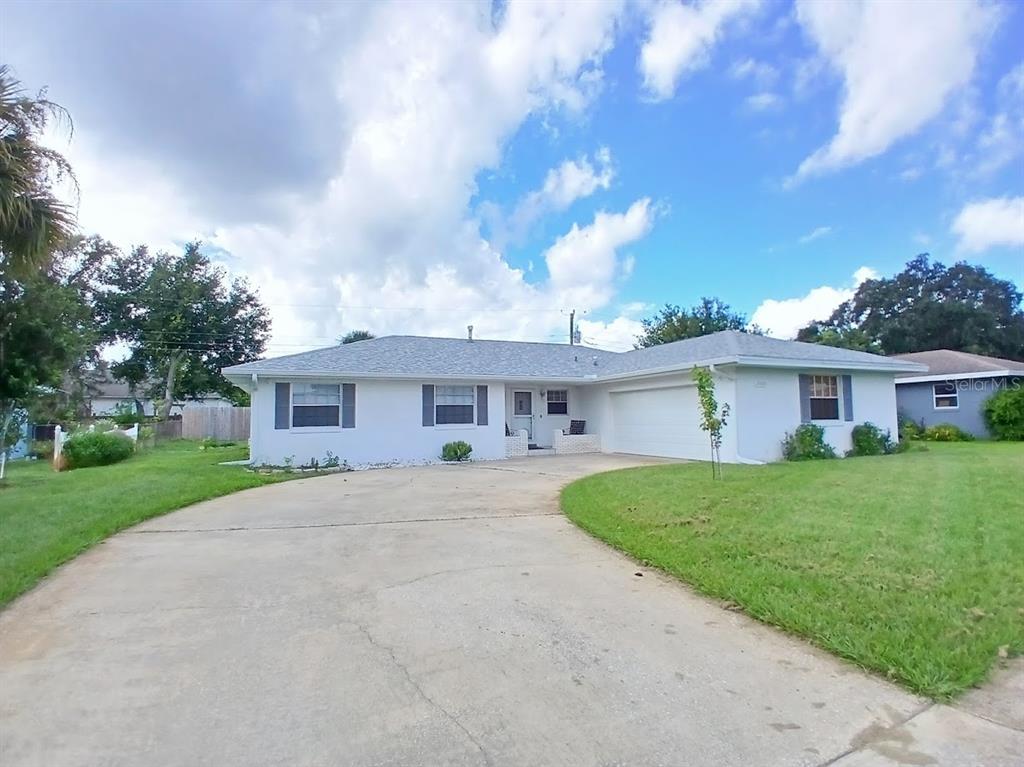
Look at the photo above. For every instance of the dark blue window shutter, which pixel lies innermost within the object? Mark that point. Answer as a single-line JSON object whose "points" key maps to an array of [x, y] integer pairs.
{"points": [[282, 405], [348, 406], [805, 398], [428, 404], [847, 398], [481, 406]]}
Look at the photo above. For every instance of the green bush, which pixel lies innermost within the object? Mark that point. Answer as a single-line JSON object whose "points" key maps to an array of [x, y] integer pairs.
{"points": [[806, 443], [124, 415], [946, 432], [92, 448], [456, 451], [869, 439], [1004, 413], [910, 429]]}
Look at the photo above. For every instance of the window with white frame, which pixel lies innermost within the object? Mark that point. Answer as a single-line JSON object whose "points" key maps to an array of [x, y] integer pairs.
{"points": [[454, 405], [824, 398], [316, 405], [945, 396], [558, 402]]}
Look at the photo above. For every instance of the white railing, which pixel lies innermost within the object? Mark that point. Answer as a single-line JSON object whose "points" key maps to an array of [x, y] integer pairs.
{"points": [[517, 444], [576, 443]]}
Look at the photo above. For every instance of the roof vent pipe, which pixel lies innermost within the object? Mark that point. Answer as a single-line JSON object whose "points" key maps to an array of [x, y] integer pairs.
{"points": [[469, 329]]}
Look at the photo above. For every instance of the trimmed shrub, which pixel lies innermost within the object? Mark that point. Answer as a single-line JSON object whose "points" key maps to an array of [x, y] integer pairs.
{"points": [[91, 448], [946, 432], [806, 443], [910, 429], [1004, 413], [456, 451], [869, 439]]}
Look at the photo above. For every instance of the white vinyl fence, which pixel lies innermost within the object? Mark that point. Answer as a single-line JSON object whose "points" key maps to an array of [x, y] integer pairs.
{"points": [[221, 423], [60, 437]]}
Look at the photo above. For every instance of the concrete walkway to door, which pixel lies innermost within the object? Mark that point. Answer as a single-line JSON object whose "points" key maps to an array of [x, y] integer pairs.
{"points": [[443, 615]]}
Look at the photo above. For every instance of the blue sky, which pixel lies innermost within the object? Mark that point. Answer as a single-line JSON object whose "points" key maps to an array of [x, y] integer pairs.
{"points": [[416, 168]]}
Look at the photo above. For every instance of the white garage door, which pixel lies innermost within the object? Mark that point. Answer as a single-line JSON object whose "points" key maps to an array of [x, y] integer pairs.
{"points": [[661, 422]]}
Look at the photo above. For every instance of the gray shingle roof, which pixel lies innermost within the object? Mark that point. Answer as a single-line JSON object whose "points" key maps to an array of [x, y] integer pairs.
{"points": [[423, 356], [949, 362], [418, 356], [730, 344]]}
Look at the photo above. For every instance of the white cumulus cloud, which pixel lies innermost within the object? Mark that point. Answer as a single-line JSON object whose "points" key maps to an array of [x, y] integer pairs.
{"points": [[681, 37], [782, 318], [619, 335], [762, 102], [900, 62], [583, 263], [389, 240], [990, 223], [563, 185], [816, 234], [760, 72]]}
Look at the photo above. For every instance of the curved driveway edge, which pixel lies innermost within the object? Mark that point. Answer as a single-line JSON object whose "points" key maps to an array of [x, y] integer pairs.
{"points": [[443, 615]]}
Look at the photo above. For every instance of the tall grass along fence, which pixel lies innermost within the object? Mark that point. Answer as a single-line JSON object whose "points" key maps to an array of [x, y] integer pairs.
{"points": [[229, 424]]}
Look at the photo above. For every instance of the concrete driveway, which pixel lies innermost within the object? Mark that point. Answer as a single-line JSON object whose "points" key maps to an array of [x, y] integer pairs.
{"points": [[444, 615]]}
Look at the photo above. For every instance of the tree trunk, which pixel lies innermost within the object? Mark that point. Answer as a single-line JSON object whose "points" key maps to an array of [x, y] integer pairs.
{"points": [[5, 423], [172, 371], [140, 411]]}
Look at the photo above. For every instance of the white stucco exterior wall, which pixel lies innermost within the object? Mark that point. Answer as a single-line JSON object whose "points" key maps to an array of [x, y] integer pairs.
{"points": [[388, 427], [768, 404], [544, 425], [597, 408], [764, 404]]}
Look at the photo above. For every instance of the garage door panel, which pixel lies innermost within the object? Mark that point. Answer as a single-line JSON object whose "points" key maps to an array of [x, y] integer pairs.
{"points": [[662, 422]]}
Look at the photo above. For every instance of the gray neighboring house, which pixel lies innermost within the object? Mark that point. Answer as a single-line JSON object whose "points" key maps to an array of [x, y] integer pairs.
{"points": [[955, 387], [106, 393]]}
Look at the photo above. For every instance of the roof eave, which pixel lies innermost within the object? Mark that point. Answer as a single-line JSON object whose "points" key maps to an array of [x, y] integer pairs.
{"points": [[960, 376], [236, 376], [796, 362]]}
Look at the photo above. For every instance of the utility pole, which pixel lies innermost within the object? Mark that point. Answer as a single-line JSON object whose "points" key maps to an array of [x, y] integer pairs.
{"points": [[572, 327]]}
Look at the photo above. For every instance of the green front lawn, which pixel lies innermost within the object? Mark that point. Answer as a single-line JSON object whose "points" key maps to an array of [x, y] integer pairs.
{"points": [[911, 565], [47, 518]]}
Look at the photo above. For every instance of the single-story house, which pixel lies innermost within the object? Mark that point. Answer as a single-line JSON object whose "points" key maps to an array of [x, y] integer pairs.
{"points": [[954, 388], [106, 394], [400, 398]]}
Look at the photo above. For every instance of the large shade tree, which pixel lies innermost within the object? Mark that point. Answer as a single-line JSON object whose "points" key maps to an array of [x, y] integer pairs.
{"points": [[675, 324], [33, 219], [928, 306], [182, 320], [47, 327]]}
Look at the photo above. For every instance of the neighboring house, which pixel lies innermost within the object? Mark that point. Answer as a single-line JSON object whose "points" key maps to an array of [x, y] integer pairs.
{"points": [[955, 387], [106, 393], [400, 398]]}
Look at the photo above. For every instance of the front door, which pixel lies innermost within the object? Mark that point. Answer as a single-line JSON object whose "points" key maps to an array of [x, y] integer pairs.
{"points": [[522, 412]]}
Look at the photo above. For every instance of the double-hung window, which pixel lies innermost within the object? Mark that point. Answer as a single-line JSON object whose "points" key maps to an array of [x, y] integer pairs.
{"points": [[945, 396], [454, 405], [558, 402], [824, 398], [316, 404]]}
